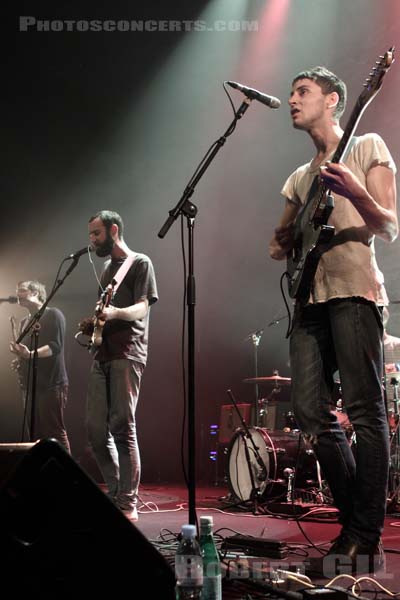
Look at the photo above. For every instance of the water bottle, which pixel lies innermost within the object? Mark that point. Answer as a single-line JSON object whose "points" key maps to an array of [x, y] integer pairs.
{"points": [[212, 585], [188, 566]]}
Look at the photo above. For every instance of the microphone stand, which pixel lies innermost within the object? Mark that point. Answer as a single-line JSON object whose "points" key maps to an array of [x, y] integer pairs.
{"points": [[255, 337], [189, 210], [34, 326]]}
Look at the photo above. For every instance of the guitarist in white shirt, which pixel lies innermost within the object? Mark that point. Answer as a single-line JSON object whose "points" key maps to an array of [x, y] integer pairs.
{"points": [[338, 324], [119, 360]]}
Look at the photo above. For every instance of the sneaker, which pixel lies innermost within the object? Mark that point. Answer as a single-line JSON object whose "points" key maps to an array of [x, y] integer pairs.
{"points": [[131, 513]]}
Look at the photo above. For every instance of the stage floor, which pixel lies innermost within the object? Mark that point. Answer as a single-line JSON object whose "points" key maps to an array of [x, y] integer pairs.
{"points": [[163, 509]]}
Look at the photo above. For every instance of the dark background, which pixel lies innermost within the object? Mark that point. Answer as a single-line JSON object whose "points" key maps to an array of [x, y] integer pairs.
{"points": [[120, 120]]}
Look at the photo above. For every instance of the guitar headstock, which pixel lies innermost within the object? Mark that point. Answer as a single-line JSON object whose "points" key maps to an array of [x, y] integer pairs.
{"points": [[373, 83]]}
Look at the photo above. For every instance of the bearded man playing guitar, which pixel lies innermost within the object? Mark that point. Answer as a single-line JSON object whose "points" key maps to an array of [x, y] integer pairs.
{"points": [[119, 359], [337, 320]]}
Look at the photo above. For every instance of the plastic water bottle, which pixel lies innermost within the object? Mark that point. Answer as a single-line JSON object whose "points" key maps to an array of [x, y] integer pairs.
{"points": [[188, 566], [212, 585]]}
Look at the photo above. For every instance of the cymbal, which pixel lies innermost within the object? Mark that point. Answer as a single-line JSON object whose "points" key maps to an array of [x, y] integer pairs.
{"points": [[275, 380]]}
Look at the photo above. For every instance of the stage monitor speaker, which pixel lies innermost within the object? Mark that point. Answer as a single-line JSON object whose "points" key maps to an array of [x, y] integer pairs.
{"points": [[230, 421], [60, 534]]}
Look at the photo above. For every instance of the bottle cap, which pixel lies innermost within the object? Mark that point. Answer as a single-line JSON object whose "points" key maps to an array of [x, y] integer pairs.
{"points": [[206, 520], [188, 531]]}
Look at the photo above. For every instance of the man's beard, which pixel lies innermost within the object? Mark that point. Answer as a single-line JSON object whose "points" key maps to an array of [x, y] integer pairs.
{"points": [[106, 247]]}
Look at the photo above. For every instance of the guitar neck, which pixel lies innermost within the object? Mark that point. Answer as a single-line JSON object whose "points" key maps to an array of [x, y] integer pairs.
{"points": [[341, 149], [350, 129]]}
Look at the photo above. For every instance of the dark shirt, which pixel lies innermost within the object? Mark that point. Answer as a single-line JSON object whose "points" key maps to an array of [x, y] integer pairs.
{"points": [[51, 370], [128, 339]]}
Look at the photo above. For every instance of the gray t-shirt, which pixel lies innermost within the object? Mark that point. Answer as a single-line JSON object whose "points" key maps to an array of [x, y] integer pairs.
{"points": [[348, 268], [128, 339]]}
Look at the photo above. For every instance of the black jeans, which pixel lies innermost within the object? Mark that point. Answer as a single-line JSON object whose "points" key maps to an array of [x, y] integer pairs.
{"points": [[344, 334]]}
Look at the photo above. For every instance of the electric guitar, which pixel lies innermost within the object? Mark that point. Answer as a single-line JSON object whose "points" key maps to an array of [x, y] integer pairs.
{"points": [[98, 324], [312, 234], [92, 327], [16, 363]]}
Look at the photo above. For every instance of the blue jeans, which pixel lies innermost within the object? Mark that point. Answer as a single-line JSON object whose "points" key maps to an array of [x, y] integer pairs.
{"points": [[113, 393], [344, 334]]}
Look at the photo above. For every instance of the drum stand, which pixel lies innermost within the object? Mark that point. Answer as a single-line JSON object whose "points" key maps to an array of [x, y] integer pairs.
{"points": [[255, 495]]}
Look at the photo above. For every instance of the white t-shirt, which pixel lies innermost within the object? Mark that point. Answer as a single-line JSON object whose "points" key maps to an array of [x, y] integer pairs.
{"points": [[348, 268]]}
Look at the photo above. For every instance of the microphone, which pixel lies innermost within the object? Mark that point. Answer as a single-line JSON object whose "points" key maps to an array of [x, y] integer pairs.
{"points": [[270, 101], [10, 299], [79, 253]]}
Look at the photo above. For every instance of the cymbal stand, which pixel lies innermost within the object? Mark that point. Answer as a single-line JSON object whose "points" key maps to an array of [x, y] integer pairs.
{"points": [[255, 495]]}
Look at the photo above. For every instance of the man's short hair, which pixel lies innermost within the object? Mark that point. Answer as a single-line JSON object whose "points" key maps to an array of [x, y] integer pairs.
{"points": [[35, 286], [328, 82], [109, 217]]}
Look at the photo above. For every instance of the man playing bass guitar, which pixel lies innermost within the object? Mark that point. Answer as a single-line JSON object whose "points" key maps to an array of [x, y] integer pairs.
{"points": [[338, 319]]}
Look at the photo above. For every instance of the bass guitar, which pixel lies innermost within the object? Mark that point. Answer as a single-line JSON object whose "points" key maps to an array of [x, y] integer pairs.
{"points": [[312, 234]]}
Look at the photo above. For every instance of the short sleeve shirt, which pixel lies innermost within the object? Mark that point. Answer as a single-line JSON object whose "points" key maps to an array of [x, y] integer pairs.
{"points": [[348, 268]]}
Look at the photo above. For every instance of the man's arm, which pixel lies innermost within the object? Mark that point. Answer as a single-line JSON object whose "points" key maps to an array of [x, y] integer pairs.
{"points": [[128, 313], [282, 240], [23, 351], [376, 202]]}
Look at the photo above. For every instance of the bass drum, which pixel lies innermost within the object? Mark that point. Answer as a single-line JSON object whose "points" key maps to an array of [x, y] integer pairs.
{"points": [[278, 451]]}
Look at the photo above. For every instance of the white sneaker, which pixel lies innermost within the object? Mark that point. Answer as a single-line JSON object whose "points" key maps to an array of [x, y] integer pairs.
{"points": [[131, 513]]}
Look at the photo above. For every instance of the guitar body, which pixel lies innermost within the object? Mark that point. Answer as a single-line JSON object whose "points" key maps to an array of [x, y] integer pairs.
{"points": [[311, 238], [312, 234]]}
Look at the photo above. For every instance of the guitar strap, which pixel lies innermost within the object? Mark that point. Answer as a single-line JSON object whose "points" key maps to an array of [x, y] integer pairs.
{"points": [[349, 147], [122, 271]]}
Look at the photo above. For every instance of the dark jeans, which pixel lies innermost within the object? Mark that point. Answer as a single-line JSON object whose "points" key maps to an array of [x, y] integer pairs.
{"points": [[344, 334], [49, 421]]}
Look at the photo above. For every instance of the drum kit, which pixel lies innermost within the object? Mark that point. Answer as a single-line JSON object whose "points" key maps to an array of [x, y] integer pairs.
{"points": [[266, 463]]}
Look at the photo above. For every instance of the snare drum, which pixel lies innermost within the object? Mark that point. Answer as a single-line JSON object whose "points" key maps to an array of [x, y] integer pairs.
{"points": [[278, 451]]}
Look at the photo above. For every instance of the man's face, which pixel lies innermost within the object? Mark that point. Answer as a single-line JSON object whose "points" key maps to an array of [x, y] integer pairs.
{"points": [[100, 239], [307, 104], [24, 295]]}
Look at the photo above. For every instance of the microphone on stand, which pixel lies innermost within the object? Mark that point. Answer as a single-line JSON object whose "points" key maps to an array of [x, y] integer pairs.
{"points": [[253, 94], [79, 253], [10, 299]]}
